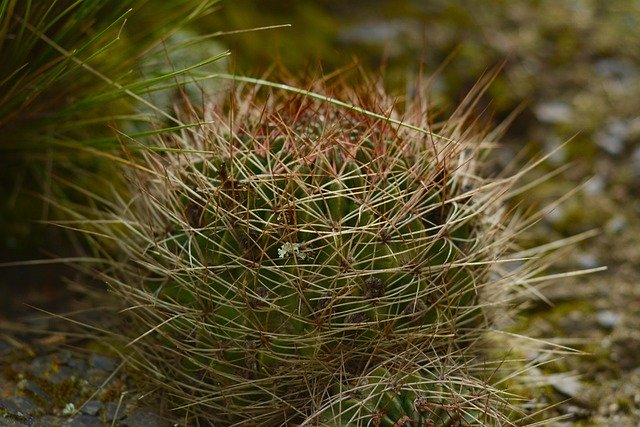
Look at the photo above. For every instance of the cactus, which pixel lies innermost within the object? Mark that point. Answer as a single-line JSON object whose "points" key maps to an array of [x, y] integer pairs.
{"points": [[288, 256], [384, 399]]}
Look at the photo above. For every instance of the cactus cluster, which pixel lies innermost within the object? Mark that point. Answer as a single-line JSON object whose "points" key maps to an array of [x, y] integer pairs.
{"points": [[288, 259]]}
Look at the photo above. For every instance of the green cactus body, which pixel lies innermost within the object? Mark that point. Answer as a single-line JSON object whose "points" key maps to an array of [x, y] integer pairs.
{"points": [[300, 247], [381, 399]]}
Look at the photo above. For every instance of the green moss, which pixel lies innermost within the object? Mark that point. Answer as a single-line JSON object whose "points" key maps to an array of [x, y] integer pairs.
{"points": [[61, 393]]}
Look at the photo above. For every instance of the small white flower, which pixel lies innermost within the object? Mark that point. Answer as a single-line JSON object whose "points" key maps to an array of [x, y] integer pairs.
{"points": [[69, 409], [289, 249]]}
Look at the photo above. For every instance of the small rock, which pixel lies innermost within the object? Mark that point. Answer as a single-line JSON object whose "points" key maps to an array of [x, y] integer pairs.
{"points": [[553, 112], [36, 390], [616, 224], [92, 407], [615, 69], [5, 348], [76, 363], [114, 411], [608, 319], [50, 421], [102, 362], [588, 261], [143, 417], [84, 421], [568, 385], [595, 186], [613, 136]]}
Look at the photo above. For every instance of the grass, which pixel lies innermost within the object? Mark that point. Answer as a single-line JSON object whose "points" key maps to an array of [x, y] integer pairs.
{"points": [[72, 71], [65, 62]]}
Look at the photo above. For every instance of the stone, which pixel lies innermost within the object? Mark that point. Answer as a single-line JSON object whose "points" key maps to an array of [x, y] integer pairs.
{"points": [[92, 407], [607, 319], [84, 421], [114, 411], [144, 417], [102, 362]]}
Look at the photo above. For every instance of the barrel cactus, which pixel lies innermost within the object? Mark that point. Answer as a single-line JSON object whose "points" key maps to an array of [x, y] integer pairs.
{"points": [[392, 398], [293, 260]]}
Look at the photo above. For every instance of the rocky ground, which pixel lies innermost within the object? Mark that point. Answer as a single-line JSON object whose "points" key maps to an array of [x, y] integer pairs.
{"points": [[59, 379], [599, 315]]}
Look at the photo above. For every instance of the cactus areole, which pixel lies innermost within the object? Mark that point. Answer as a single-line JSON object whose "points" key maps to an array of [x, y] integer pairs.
{"points": [[295, 261]]}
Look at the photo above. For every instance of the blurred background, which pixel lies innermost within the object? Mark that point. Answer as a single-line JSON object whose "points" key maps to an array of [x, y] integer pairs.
{"points": [[571, 68]]}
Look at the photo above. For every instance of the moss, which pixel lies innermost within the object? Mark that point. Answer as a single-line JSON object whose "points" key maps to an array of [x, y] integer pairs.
{"points": [[60, 393]]}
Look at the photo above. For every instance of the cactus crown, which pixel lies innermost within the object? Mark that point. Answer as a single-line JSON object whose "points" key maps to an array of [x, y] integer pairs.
{"points": [[296, 261]]}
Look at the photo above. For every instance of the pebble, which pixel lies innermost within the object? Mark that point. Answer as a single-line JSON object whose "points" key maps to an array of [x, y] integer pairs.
{"points": [[565, 384], [84, 421], [5, 348], [102, 362], [144, 417], [553, 112], [607, 319], [586, 260], [35, 390], [91, 408], [595, 186], [114, 411], [616, 69], [616, 224], [612, 137]]}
